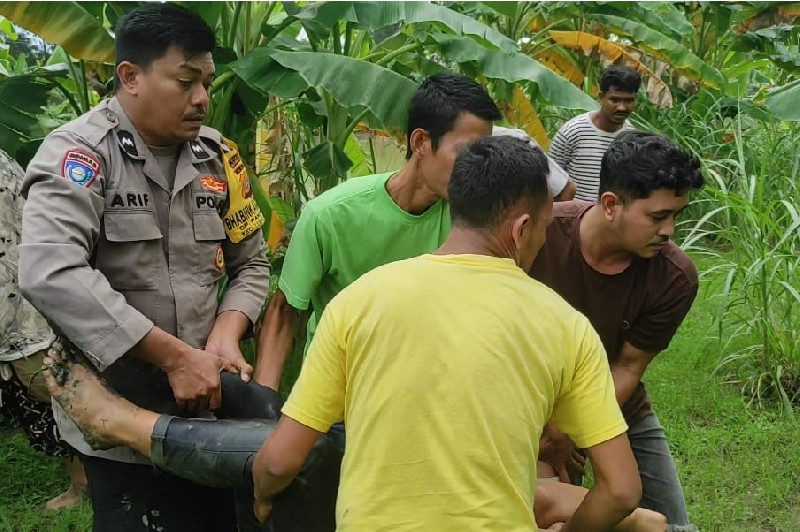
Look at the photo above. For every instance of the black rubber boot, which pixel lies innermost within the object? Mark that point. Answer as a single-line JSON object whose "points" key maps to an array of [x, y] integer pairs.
{"points": [[220, 453], [247, 400]]}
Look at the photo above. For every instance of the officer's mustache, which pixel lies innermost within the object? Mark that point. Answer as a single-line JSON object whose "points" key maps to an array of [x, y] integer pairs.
{"points": [[197, 116]]}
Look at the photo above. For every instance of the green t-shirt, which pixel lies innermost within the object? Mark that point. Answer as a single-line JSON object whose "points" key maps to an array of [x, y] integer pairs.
{"points": [[348, 231]]}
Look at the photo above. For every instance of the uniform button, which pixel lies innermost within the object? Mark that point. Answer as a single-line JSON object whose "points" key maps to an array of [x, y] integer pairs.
{"points": [[111, 117]]}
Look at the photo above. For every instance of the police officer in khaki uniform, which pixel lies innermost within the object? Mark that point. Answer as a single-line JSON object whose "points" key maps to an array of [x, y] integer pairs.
{"points": [[134, 212]]}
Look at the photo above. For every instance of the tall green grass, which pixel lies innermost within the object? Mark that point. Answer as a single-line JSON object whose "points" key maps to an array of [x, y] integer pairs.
{"points": [[747, 220]]}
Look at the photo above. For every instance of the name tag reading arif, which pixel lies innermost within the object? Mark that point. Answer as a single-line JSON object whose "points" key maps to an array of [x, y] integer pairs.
{"points": [[243, 217]]}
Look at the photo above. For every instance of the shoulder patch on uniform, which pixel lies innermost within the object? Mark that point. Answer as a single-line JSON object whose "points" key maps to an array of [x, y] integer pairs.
{"points": [[80, 167], [127, 143], [210, 183], [198, 150]]}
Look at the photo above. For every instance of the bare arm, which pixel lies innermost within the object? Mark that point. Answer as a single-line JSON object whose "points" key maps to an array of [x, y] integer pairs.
{"points": [[229, 328], [568, 192], [278, 461], [275, 340], [616, 491], [628, 369]]}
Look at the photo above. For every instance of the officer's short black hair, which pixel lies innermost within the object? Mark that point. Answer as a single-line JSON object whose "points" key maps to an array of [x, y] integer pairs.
{"points": [[640, 162], [491, 176], [441, 99], [146, 33], [622, 78]]}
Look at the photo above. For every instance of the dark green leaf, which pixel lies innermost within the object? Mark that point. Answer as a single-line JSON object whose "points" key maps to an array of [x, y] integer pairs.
{"points": [[375, 15], [515, 68], [783, 101]]}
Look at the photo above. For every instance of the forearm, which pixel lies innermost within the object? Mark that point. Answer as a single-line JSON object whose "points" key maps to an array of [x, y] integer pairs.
{"points": [[598, 511], [161, 349], [275, 341], [625, 382], [281, 458], [229, 327]]}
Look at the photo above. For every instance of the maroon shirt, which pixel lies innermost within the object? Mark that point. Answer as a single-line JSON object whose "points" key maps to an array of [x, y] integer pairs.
{"points": [[643, 305]]}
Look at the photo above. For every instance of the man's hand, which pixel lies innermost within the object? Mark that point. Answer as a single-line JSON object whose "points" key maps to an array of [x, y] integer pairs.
{"points": [[194, 378], [233, 355], [224, 341], [558, 450]]}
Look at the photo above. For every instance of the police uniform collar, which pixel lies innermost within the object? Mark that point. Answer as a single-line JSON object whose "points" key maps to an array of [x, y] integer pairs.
{"points": [[206, 146], [127, 137]]}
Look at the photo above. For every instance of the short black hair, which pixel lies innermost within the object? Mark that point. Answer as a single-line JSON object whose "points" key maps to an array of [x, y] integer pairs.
{"points": [[623, 78], [441, 99], [639, 162], [493, 174], [146, 33]]}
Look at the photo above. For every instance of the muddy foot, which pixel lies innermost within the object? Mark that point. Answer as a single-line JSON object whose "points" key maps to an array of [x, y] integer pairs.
{"points": [[86, 400]]}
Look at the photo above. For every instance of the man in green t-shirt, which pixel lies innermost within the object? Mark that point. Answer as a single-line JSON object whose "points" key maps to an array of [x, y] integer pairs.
{"points": [[370, 221]]}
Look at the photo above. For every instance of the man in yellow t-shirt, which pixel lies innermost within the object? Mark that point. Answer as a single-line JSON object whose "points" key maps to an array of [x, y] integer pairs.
{"points": [[445, 379]]}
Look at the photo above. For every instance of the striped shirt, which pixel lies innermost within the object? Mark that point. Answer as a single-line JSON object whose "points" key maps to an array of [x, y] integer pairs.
{"points": [[578, 148]]}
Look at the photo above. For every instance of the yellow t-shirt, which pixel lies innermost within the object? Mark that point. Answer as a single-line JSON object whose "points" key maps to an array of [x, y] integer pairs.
{"points": [[445, 370]]}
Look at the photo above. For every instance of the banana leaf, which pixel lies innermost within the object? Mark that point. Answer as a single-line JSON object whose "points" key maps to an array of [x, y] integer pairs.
{"points": [[664, 48], [374, 15], [515, 67], [353, 83], [22, 98], [783, 101], [65, 23]]}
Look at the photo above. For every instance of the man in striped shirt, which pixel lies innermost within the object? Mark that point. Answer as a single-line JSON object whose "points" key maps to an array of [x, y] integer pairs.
{"points": [[579, 145]]}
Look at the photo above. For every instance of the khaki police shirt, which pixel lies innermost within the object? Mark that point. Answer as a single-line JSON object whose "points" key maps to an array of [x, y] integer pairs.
{"points": [[109, 250]]}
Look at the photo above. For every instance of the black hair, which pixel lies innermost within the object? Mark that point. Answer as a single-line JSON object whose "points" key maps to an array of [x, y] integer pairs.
{"points": [[492, 175], [622, 78], [639, 162], [146, 33], [441, 99]]}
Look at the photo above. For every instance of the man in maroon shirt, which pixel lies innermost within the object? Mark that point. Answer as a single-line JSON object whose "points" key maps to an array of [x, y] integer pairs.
{"points": [[614, 262]]}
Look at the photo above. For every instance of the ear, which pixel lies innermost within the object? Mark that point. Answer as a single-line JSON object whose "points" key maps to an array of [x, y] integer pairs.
{"points": [[519, 228], [420, 143], [609, 202], [129, 77]]}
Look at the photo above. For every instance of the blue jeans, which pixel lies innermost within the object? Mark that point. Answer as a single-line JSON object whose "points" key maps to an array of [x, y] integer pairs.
{"points": [[661, 488]]}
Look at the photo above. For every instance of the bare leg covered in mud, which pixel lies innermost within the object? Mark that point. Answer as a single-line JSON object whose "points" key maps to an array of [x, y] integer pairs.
{"points": [[105, 418]]}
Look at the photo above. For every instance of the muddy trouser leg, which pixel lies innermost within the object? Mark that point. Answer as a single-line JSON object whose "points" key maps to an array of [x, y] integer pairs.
{"points": [[220, 453]]}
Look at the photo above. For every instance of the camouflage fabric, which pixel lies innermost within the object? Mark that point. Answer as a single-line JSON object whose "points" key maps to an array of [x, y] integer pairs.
{"points": [[23, 331]]}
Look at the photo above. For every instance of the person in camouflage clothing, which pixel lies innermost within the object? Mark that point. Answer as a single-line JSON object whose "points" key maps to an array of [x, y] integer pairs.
{"points": [[24, 339]]}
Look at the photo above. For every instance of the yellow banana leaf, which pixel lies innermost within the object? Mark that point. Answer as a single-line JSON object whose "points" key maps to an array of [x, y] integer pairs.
{"points": [[657, 91], [263, 160], [561, 65], [520, 113]]}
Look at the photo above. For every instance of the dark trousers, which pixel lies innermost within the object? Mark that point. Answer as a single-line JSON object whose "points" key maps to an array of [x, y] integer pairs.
{"points": [[136, 497]]}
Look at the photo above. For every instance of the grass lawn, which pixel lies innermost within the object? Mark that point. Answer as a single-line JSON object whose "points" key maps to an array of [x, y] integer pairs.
{"points": [[740, 465]]}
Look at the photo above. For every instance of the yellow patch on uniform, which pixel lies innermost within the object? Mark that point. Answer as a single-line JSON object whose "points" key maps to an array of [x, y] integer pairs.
{"points": [[219, 258], [243, 217]]}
